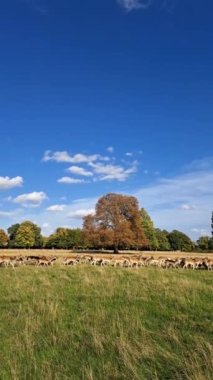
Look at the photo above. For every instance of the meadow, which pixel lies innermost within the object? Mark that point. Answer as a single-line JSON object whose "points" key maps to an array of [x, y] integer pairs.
{"points": [[95, 323]]}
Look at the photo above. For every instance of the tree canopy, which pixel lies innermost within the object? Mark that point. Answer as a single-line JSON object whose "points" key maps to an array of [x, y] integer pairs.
{"points": [[149, 230], [65, 238], [26, 235], [180, 242], [12, 230], [3, 239], [116, 223], [203, 243], [162, 240]]}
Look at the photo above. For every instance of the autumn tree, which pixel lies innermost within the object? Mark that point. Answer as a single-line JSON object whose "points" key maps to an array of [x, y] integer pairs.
{"points": [[149, 230], [28, 235], [59, 238], [3, 239], [116, 223], [90, 232]]}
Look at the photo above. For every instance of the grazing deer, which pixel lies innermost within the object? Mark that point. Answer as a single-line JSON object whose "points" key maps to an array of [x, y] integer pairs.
{"points": [[45, 261], [71, 261], [189, 263]]}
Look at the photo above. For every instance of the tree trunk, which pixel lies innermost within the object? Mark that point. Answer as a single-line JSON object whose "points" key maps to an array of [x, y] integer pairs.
{"points": [[116, 249]]}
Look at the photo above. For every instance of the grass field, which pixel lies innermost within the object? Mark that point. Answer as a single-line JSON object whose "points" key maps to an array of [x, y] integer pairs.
{"points": [[62, 253], [106, 323]]}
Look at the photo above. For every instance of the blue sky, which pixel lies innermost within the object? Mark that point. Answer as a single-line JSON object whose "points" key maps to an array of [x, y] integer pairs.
{"points": [[106, 96]]}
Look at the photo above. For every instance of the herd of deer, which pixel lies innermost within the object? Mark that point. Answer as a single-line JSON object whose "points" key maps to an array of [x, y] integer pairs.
{"points": [[123, 261]]}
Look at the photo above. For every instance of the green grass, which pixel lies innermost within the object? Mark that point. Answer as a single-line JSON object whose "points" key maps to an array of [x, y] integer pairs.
{"points": [[105, 323]]}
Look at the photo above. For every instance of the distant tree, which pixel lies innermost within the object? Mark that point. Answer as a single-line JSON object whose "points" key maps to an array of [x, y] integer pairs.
{"points": [[28, 235], [203, 243], [52, 241], [25, 237], [39, 241], [3, 239], [162, 239], [65, 238], [61, 235], [149, 230], [12, 230], [210, 247], [44, 241], [75, 238], [180, 242], [116, 223]]}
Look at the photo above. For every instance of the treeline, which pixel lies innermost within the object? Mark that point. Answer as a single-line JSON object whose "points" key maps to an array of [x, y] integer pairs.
{"points": [[28, 235], [117, 224]]}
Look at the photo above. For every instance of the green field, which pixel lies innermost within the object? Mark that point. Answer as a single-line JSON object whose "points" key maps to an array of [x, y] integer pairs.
{"points": [[97, 323]]}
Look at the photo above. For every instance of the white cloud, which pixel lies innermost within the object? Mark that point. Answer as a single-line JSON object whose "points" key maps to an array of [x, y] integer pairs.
{"points": [[63, 198], [9, 183], [79, 158], [96, 162], [110, 149], [163, 199], [71, 216], [129, 154], [113, 172], [201, 232], [56, 208], [79, 171], [82, 158], [202, 164], [9, 214], [187, 207], [33, 199], [79, 214], [69, 180], [45, 225], [130, 5], [56, 156]]}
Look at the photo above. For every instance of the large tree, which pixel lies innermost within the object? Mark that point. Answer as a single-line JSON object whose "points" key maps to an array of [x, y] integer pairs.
{"points": [[28, 235], [116, 223]]}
